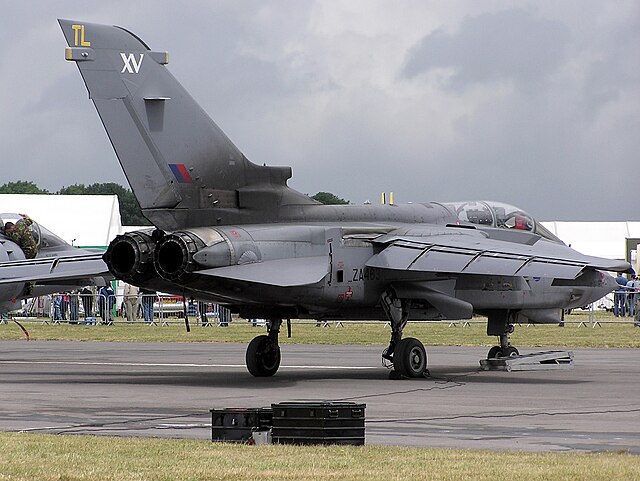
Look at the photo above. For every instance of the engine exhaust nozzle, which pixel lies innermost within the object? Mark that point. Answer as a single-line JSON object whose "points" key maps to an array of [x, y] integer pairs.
{"points": [[173, 255], [130, 257]]}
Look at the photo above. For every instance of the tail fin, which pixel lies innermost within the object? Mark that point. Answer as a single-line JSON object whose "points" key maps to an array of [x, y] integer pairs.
{"points": [[181, 167]]}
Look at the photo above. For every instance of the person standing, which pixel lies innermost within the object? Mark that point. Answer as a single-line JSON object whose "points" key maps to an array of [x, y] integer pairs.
{"points": [[102, 304], [73, 307], [106, 301], [111, 301], [632, 289], [87, 302], [619, 296], [202, 310], [148, 298], [57, 301], [64, 306], [130, 302]]}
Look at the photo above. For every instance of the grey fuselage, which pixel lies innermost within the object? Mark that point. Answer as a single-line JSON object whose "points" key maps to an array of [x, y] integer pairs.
{"points": [[342, 285]]}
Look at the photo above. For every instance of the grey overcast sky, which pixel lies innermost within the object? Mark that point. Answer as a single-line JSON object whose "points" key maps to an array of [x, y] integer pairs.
{"points": [[533, 103]]}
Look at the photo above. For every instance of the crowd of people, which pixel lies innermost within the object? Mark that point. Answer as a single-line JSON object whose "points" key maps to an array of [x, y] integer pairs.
{"points": [[135, 305], [66, 306], [102, 306]]}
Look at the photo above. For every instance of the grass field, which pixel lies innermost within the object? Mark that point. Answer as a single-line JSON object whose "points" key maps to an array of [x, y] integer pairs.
{"points": [[610, 333], [77, 458]]}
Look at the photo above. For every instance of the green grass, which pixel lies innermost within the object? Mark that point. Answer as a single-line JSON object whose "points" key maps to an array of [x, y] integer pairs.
{"points": [[611, 333], [77, 458]]}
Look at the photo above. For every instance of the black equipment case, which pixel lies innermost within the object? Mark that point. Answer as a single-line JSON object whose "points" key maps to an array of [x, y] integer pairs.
{"points": [[238, 424], [318, 423]]}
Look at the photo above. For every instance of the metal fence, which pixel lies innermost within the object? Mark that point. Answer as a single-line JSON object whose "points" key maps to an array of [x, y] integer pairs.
{"points": [[94, 309]]}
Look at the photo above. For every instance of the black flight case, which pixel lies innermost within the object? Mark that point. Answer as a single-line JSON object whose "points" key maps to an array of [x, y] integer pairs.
{"points": [[318, 423], [238, 424]]}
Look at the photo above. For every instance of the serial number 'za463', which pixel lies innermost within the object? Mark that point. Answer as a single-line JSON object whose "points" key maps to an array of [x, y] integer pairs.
{"points": [[367, 274]]}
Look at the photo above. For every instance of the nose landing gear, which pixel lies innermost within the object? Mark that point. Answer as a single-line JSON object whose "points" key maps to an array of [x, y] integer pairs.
{"points": [[505, 349]]}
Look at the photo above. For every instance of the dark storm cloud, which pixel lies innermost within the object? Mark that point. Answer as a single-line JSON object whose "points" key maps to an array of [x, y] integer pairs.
{"points": [[536, 106], [507, 45], [550, 121]]}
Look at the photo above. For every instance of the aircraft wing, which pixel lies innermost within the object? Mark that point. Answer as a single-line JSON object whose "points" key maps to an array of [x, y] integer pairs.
{"points": [[53, 269], [301, 271], [460, 254]]}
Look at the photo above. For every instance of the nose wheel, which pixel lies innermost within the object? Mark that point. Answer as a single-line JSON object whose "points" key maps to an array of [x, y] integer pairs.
{"points": [[497, 351], [505, 349]]}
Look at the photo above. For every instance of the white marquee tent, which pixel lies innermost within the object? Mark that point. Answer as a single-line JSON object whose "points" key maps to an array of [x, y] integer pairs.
{"points": [[601, 239], [81, 220]]}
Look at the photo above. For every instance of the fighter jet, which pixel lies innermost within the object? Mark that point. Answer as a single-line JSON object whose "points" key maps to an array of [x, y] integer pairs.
{"points": [[56, 267], [234, 232]]}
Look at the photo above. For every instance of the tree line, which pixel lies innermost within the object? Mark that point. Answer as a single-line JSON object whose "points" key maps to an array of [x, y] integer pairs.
{"points": [[130, 212]]}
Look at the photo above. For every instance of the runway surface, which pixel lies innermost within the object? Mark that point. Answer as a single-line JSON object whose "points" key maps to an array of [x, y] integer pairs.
{"points": [[167, 390]]}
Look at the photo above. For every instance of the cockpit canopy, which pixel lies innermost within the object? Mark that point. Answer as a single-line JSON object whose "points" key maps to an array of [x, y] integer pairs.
{"points": [[497, 214], [43, 236]]}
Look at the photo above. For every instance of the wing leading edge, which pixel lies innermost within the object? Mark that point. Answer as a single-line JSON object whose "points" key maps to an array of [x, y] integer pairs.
{"points": [[460, 255], [54, 269]]}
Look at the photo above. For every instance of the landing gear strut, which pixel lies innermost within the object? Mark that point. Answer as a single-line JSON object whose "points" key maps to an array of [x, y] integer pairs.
{"points": [[408, 356], [263, 352], [505, 349]]}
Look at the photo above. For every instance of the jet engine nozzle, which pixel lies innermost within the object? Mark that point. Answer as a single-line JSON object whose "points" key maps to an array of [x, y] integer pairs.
{"points": [[130, 257], [173, 256]]}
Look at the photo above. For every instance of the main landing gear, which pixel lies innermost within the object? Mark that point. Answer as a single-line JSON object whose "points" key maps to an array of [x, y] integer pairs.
{"points": [[409, 357], [501, 327], [263, 352]]}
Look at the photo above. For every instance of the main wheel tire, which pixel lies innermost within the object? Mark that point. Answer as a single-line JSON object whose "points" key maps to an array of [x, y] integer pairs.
{"points": [[494, 352], [410, 357], [510, 352], [263, 356]]}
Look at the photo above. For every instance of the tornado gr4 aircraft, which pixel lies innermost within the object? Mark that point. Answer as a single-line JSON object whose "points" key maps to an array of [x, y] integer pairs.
{"points": [[233, 232], [57, 266]]}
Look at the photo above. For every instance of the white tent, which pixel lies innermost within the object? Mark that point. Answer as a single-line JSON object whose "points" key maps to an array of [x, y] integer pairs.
{"points": [[601, 239], [81, 220]]}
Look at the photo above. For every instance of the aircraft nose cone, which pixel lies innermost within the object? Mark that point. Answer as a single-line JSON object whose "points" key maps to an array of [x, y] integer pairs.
{"points": [[606, 285], [608, 281]]}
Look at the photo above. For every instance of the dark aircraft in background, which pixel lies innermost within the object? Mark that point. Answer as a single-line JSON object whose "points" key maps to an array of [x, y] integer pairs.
{"points": [[57, 266], [233, 232]]}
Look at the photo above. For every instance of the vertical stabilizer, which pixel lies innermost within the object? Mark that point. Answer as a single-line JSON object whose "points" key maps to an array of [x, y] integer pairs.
{"points": [[181, 167]]}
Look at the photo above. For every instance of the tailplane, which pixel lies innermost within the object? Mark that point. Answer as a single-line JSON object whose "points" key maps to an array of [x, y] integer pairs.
{"points": [[181, 167]]}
